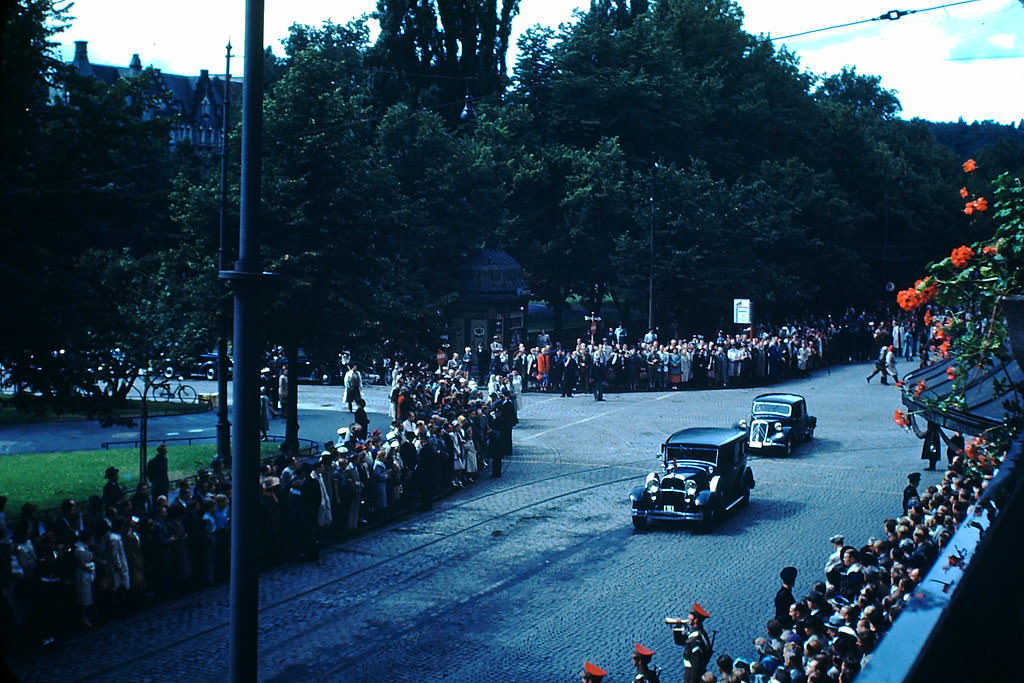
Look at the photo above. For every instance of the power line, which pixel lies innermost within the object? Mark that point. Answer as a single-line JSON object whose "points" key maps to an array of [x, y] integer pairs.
{"points": [[891, 15]]}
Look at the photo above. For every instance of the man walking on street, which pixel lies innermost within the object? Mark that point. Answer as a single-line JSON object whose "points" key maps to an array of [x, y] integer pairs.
{"points": [[353, 386]]}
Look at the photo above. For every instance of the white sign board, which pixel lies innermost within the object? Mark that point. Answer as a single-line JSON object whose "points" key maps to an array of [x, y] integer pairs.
{"points": [[741, 311]]}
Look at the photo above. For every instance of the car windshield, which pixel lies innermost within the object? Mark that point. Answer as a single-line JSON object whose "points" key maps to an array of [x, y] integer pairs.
{"points": [[770, 408], [704, 453]]}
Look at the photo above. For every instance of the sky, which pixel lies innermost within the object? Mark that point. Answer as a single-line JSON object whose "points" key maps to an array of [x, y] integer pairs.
{"points": [[965, 60]]}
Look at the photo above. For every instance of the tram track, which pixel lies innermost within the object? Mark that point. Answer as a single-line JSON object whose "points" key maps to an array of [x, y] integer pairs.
{"points": [[346, 548]]}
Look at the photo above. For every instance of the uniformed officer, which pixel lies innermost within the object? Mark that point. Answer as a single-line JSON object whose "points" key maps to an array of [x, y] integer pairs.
{"points": [[592, 673], [645, 673], [696, 644]]}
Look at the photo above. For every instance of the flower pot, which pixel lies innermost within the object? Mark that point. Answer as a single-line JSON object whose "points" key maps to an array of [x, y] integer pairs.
{"points": [[1013, 305]]}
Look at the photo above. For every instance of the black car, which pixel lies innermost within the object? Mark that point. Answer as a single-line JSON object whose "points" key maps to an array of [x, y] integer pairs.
{"points": [[207, 366], [777, 423], [705, 475]]}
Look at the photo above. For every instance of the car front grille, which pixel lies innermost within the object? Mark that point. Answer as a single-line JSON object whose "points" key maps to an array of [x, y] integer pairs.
{"points": [[758, 431], [673, 498]]}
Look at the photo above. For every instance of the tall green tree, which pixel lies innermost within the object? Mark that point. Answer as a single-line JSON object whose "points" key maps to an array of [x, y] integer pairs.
{"points": [[431, 52]]}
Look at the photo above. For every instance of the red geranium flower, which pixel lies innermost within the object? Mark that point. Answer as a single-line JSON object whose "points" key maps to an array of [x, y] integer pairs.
{"points": [[980, 204], [989, 250], [963, 193], [900, 418], [970, 165], [951, 373], [919, 388], [961, 256]]}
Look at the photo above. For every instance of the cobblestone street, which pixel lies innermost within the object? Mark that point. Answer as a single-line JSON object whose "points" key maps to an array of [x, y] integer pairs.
{"points": [[523, 578]]}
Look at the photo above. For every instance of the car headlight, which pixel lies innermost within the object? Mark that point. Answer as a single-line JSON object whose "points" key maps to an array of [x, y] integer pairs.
{"points": [[777, 426], [652, 484], [690, 487]]}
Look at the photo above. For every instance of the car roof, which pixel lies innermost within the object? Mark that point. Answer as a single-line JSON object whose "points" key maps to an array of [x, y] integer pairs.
{"points": [[780, 398], [705, 436]]}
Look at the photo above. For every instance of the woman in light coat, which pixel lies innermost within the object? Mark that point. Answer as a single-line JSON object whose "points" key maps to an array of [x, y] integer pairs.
{"points": [[84, 575]]}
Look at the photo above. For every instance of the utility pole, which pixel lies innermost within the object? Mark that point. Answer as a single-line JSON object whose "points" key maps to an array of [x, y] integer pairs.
{"points": [[650, 245], [223, 424], [246, 279]]}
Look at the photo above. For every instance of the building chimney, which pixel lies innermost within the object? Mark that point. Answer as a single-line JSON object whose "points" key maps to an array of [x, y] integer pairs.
{"points": [[135, 66], [81, 62]]}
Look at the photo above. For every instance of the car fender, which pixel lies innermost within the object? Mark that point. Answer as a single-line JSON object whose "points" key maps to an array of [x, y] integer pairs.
{"points": [[639, 495], [703, 497], [748, 476]]}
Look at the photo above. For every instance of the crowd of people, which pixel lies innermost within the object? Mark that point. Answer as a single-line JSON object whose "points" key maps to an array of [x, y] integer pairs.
{"points": [[610, 362], [123, 550], [829, 635], [449, 425]]}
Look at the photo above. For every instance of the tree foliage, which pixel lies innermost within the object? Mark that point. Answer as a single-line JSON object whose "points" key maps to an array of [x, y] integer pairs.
{"points": [[638, 125]]}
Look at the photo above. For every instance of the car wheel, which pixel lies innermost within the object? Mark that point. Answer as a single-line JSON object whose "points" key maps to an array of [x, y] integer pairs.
{"points": [[746, 493], [640, 523], [712, 513], [325, 378], [168, 372], [789, 448], [211, 373], [810, 433]]}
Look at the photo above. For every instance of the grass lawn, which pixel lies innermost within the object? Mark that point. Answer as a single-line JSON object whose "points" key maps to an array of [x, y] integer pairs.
{"points": [[47, 478]]}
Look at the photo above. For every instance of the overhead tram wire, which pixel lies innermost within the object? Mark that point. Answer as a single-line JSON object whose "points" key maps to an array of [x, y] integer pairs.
{"points": [[891, 15]]}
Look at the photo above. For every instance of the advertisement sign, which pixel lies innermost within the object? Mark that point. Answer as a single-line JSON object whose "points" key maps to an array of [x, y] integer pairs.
{"points": [[741, 311]]}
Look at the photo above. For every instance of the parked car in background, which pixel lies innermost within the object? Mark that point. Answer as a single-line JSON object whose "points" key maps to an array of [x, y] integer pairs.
{"points": [[208, 365], [704, 475], [778, 421]]}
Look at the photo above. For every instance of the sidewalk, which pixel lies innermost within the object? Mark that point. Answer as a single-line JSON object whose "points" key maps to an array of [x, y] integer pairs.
{"points": [[318, 420]]}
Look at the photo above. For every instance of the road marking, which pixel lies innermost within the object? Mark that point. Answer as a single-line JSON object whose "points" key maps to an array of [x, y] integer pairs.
{"points": [[606, 413]]}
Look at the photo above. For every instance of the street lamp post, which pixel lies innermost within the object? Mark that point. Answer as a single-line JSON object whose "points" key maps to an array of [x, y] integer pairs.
{"points": [[245, 280], [650, 246], [223, 424]]}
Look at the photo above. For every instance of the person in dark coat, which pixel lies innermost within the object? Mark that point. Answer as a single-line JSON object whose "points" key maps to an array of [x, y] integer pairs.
{"points": [[156, 472], [910, 495], [570, 375], [426, 466], [113, 492], [784, 597], [360, 417]]}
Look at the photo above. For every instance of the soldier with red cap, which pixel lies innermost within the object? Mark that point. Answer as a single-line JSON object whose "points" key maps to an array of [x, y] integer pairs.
{"points": [[592, 673], [696, 644], [645, 673]]}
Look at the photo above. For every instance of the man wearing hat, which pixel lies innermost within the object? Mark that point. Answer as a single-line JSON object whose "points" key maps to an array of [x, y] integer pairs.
{"points": [[642, 661], [113, 492], [696, 644], [784, 597], [910, 494], [592, 673], [836, 558]]}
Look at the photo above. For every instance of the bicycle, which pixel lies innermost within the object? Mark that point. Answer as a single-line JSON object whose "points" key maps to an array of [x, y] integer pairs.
{"points": [[163, 391]]}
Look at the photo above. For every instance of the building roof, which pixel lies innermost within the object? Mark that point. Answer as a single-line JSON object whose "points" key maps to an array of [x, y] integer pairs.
{"points": [[492, 275]]}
